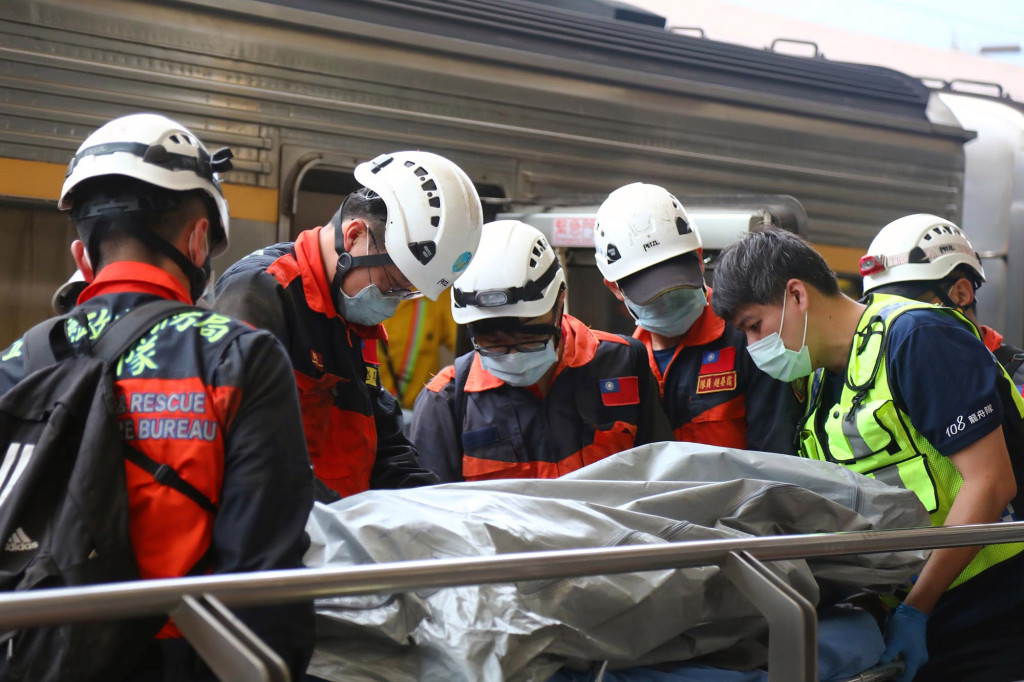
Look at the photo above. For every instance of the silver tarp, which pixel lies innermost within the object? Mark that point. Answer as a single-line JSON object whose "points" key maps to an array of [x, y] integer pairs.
{"points": [[666, 492]]}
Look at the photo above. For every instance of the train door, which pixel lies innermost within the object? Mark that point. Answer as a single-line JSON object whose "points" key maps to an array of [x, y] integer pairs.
{"points": [[34, 261]]}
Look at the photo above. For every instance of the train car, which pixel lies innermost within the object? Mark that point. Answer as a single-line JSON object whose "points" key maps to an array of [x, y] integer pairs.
{"points": [[540, 105]]}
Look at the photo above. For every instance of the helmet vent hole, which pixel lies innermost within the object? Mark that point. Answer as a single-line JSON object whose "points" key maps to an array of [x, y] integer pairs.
{"points": [[435, 202], [533, 262], [175, 139], [536, 251], [410, 164], [917, 256], [429, 186], [435, 221], [420, 172], [682, 227]]}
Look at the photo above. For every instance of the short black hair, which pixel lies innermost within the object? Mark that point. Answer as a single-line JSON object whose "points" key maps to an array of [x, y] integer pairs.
{"points": [[366, 204], [108, 209], [756, 268]]}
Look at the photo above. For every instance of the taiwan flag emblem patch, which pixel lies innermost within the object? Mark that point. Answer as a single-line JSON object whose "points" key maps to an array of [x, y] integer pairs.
{"points": [[717, 371], [620, 391]]}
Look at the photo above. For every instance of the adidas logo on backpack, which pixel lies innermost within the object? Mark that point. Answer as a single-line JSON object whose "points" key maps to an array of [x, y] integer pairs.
{"points": [[20, 542]]}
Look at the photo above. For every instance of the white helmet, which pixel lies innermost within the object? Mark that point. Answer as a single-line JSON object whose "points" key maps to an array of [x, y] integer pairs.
{"points": [[515, 274], [434, 216], [639, 226], [918, 248], [158, 151]]}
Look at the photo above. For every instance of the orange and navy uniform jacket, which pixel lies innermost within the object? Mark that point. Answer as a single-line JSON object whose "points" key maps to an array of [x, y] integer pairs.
{"points": [[1007, 355], [353, 427], [213, 399], [713, 392], [602, 400]]}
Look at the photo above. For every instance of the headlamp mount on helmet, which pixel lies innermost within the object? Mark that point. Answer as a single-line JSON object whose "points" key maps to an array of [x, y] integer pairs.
{"points": [[204, 165], [146, 163], [492, 298]]}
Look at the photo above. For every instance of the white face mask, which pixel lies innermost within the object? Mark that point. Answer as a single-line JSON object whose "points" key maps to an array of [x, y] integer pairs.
{"points": [[672, 313], [369, 307], [521, 369], [773, 358]]}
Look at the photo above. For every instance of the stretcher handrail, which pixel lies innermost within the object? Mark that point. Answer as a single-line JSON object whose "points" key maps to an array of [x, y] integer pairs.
{"points": [[147, 597]]}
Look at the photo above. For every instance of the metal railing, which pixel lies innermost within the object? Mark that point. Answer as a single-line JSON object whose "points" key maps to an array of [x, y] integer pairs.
{"points": [[199, 605]]}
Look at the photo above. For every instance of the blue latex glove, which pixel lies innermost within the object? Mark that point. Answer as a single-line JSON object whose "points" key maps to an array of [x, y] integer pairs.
{"points": [[906, 635]]}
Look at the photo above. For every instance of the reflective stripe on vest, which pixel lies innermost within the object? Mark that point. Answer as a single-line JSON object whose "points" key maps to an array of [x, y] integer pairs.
{"points": [[867, 433]]}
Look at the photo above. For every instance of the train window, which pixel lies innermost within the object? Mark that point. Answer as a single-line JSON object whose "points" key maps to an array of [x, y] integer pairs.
{"points": [[34, 260], [320, 194]]}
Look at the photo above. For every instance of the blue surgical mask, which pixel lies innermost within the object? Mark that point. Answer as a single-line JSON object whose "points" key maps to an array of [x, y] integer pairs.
{"points": [[521, 369], [369, 307], [672, 313], [773, 358]]}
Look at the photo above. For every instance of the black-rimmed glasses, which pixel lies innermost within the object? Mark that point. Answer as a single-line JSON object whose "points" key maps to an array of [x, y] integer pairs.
{"points": [[505, 349]]}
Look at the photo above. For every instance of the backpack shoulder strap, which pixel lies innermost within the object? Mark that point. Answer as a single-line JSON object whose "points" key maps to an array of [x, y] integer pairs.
{"points": [[166, 475], [462, 367], [37, 344], [115, 343], [1009, 357], [125, 331]]}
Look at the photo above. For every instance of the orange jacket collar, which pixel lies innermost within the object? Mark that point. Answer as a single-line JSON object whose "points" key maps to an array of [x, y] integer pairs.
{"points": [[316, 287], [131, 276], [579, 345], [991, 338]]}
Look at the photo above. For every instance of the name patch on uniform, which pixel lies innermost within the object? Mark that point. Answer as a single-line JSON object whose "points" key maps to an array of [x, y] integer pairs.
{"points": [[620, 391], [718, 361], [713, 383]]}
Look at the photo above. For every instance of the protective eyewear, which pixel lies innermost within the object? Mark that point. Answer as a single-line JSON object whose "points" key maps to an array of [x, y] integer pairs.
{"points": [[403, 293], [522, 347]]}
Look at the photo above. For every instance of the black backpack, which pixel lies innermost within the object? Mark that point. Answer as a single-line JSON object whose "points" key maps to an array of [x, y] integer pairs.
{"points": [[64, 501]]}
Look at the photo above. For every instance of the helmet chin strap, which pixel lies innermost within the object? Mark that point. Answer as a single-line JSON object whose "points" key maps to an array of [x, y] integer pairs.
{"points": [[197, 276], [942, 292], [346, 262]]}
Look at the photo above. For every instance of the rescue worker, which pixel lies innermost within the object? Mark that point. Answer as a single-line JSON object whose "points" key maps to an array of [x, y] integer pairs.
{"points": [[649, 252], [408, 232], [146, 201], [541, 395], [929, 259], [905, 392]]}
